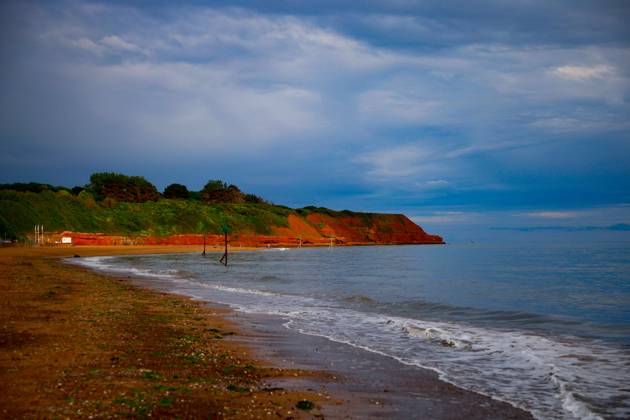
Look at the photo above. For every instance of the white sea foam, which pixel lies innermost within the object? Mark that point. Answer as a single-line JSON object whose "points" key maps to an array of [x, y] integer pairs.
{"points": [[240, 290], [108, 264], [551, 377], [538, 374], [462, 341]]}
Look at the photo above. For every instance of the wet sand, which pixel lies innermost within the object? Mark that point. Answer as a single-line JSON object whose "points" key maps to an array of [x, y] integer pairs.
{"points": [[368, 385], [342, 381]]}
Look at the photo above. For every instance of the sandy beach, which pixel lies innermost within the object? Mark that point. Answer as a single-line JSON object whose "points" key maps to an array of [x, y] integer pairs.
{"points": [[79, 344], [76, 343]]}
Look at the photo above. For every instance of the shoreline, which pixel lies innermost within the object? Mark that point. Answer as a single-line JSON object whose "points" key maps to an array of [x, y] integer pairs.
{"points": [[362, 383]]}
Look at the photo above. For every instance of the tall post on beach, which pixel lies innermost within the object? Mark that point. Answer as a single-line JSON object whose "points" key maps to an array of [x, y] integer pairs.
{"points": [[224, 258], [203, 254]]}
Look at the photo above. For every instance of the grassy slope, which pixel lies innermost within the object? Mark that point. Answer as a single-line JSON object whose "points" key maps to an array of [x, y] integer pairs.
{"points": [[57, 211]]}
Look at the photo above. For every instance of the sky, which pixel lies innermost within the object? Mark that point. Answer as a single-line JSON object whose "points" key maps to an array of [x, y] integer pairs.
{"points": [[490, 112]]}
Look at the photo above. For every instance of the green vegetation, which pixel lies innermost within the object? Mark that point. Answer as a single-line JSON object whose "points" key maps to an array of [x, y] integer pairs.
{"points": [[36, 187], [216, 191], [122, 187], [305, 211], [118, 204], [176, 191], [58, 211]]}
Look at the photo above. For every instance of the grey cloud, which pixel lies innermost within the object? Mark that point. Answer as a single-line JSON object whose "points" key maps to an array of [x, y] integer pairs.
{"points": [[115, 83]]}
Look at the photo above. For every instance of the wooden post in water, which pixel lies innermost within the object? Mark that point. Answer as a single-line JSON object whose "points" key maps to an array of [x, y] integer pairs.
{"points": [[224, 258]]}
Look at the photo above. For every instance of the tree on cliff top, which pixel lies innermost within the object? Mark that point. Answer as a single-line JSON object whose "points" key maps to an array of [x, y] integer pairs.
{"points": [[122, 187], [216, 191], [35, 187], [176, 191]]}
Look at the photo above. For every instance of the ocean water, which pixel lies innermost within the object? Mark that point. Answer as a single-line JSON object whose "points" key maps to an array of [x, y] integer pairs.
{"points": [[545, 327]]}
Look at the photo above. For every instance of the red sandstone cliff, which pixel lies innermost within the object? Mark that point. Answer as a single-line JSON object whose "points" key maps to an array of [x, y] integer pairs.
{"points": [[313, 229]]}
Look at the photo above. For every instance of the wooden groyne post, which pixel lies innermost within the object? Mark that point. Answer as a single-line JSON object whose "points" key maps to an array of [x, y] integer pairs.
{"points": [[224, 258]]}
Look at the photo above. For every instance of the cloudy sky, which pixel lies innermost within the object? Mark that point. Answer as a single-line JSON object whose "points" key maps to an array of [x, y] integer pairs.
{"points": [[448, 111]]}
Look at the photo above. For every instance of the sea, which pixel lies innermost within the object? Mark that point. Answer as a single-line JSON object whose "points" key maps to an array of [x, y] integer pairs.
{"points": [[544, 326]]}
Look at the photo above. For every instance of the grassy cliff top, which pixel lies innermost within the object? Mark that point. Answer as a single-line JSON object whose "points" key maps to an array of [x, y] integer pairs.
{"points": [[60, 210]]}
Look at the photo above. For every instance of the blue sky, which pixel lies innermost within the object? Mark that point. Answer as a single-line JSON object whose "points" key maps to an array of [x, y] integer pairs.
{"points": [[452, 112]]}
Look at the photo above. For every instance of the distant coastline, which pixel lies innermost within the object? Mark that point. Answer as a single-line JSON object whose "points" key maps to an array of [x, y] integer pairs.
{"points": [[619, 227]]}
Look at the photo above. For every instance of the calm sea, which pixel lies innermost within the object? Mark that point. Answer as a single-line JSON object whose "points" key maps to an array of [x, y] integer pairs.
{"points": [[544, 326]]}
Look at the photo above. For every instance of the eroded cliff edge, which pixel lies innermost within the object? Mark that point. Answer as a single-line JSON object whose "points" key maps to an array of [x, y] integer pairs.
{"points": [[314, 230]]}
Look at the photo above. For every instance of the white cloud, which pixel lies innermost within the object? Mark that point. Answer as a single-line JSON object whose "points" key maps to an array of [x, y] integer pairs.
{"points": [[432, 185], [446, 217], [117, 43], [406, 24], [580, 124], [393, 106], [227, 79], [304, 46], [398, 161], [233, 77], [437, 183], [530, 77], [87, 44], [185, 108], [554, 214], [582, 72], [559, 124], [107, 43]]}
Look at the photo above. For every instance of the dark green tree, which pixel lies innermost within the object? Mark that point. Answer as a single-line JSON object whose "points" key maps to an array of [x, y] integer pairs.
{"points": [[122, 187], [216, 191], [77, 190], [252, 198], [176, 191], [31, 187]]}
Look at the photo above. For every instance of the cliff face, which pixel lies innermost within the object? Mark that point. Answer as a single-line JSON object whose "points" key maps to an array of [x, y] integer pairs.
{"points": [[358, 229], [312, 229]]}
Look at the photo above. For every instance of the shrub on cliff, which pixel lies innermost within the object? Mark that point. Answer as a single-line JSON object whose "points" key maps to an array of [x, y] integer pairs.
{"points": [[35, 187], [77, 190], [253, 198], [216, 191], [122, 187], [176, 191]]}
